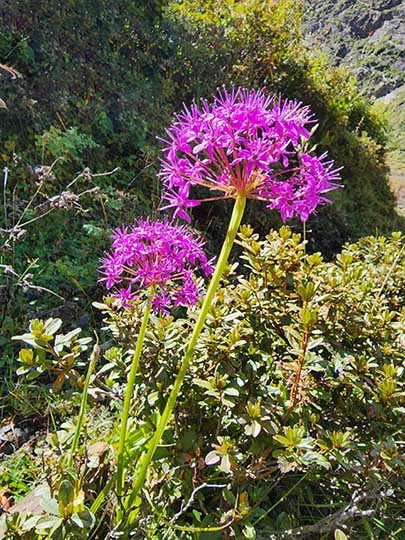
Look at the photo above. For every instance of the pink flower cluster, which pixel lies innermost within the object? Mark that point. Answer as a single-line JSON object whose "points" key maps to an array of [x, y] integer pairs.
{"points": [[245, 143], [155, 257]]}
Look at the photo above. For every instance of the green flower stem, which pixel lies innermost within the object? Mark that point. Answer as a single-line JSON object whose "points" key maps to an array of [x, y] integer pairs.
{"points": [[127, 405], [92, 364], [233, 228]]}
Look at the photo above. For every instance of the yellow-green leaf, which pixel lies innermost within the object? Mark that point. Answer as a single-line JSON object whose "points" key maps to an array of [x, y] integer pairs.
{"points": [[340, 535]]}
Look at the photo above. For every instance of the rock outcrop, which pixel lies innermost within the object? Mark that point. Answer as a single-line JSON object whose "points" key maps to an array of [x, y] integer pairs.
{"points": [[368, 36]]}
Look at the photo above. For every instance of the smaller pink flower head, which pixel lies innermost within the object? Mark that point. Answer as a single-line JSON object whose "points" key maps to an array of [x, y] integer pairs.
{"points": [[155, 255], [245, 143]]}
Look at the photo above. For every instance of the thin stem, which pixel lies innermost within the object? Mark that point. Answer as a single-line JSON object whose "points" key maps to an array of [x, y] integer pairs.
{"points": [[145, 460], [92, 364], [107, 173], [387, 277], [29, 204], [280, 500], [127, 405], [36, 218], [5, 177], [298, 373], [13, 72]]}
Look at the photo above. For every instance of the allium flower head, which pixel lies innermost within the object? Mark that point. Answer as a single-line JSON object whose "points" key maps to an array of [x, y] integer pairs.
{"points": [[245, 143], [155, 256]]}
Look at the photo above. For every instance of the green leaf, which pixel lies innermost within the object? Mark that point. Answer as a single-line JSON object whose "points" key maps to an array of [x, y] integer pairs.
{"points": [[225, 401], [67, 337], [282, 440], [30, 523], [50, 506], [26, 356], [37, 327], [107, 367], [138, 437], [253, 429], [32, 375], [48, 522], [52, 326], [340, 535], [211, 458], [226, 465], [293, 337], [197, 515], [249, 532], [231, 391], [313, 343], [84, 519], [58, 532], [203, 384], [66, 493], [309, 317], [23, 370], [229, 497]]}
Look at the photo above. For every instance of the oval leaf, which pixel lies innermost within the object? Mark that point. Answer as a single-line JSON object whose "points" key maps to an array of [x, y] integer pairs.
{"points": [[212, 458], [340, 535]]}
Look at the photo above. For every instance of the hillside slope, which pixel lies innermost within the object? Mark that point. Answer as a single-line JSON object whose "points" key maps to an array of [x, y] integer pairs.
{"points": [[368, 37]]}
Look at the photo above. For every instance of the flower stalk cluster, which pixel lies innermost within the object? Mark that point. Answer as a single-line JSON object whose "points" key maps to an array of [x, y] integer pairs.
{"points": [[155, 262], [243, 145]]}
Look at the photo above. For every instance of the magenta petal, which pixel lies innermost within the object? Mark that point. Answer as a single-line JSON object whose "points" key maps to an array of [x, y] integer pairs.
{"points": [[248, 141], [161, 255]]}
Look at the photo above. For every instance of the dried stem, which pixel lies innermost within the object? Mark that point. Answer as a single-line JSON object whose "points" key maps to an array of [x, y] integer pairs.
{"points": [[297, 379], [329, 523]]}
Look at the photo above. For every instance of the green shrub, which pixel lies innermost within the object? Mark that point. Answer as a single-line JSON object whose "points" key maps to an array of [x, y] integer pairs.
{"points": [[293, 410]]}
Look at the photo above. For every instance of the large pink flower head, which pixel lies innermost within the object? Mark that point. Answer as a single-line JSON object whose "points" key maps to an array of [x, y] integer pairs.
{"points": [[245, 144], [155, 257]]}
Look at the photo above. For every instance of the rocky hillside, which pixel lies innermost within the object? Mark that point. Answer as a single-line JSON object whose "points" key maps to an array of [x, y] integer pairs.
{"points": [[368, 37]]}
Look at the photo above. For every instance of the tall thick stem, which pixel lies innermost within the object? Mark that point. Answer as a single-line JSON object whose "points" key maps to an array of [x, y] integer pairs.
{"points": [[127, 406], [233, 228]]}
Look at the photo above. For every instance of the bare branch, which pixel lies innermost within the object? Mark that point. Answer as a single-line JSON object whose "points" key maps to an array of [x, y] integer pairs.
{"points": [[13, 72], [184, 508], [337, 520]]}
